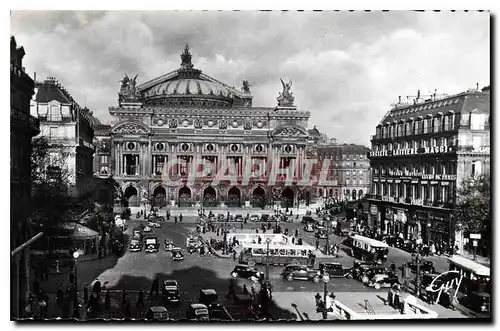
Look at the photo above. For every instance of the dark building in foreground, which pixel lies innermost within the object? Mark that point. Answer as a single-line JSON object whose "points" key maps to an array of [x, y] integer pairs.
{"points": [[22, 128], [420, 155]]}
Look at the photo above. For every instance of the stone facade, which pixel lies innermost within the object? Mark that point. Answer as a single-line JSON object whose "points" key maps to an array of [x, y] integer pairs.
{"points": [[184, 116], [347, 170], [69, 129], [23, 128], [420, 155]]}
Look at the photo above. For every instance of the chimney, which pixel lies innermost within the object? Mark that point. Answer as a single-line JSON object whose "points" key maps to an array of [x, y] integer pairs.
{"points": [[399, 99]]}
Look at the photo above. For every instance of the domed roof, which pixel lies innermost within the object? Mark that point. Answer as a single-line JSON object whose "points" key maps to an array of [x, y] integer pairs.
{"points": [[189, 86]]}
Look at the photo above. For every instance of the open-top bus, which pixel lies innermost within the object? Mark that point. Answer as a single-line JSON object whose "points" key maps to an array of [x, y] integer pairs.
{"points": [[279, 254], [367, 249]]}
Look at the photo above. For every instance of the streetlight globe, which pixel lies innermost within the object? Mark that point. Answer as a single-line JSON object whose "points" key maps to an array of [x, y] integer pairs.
{"points": [[326, 278], [76, 255], [429, 224], [268, 240]]}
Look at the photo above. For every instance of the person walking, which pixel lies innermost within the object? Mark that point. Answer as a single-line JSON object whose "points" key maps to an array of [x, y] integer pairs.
{"points": [[107, 301], [231, 291], [85, 294], [180, 217], [317, 244], [245, 289]]}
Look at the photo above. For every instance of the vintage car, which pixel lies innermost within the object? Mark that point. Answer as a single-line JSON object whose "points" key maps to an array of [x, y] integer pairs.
{"points": [[171, 291], [383, 280], [264, 217], [197, 311], [177, 254], [301, 272], [244, 271], [308, 219], [157, 313], [254, 218], [193, 243], [135, 245], [152, 245], [169, 244], [321, 234], [209, 298], [238, 218], [334, 270], [154, 225], [155, 218], [137, 233], [478, 302], [363, 271], [147, 228], [309, 227], [426, 266]]}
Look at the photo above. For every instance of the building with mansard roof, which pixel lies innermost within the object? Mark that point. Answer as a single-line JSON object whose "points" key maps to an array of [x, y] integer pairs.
{"points": [[164, 126], [69, 129], [420, 155]]}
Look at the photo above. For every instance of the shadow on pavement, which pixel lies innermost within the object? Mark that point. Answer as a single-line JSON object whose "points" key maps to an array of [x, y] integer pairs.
{"points": [[191, 281]]}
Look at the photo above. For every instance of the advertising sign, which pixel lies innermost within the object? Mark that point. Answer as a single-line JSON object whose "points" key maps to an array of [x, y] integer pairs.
{"points": [[475, 236]]}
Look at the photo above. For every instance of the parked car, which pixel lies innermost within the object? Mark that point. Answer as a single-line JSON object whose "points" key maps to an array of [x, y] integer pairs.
{"points": [[264, 217], [147, 229], [135, 245], [244, 271], [334, 270], [426, 266], [308, 219], [177, 254], [254, 218], [171, 291], [364, 271], [137, 233], [197, 311], [478, 302], [383, 280], [169, 244], [154, 225], [302, 272], [209, 298], [238, 218], [157, 313], [152, 245]]}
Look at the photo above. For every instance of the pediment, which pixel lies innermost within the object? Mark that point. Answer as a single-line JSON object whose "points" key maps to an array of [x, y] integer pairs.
{"points": [[131, 128], [289, 131]]}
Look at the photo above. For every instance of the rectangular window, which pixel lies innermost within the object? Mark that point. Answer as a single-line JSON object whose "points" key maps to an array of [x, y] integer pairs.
{"points": [[104, 159], [55, 114], [477, 121]]}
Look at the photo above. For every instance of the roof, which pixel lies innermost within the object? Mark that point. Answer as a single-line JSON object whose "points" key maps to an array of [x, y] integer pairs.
{"points": [[49, 91], [78, 231], [209, 291], [465, 263], [198, 306], [370, 241], [314, 132], [343, 149], [158, 309]]}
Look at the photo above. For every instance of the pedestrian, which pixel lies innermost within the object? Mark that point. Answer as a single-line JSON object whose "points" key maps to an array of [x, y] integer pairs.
{"points": [[296, 232], [231, 292], [124, 298], [241, 226], [245, 289], [256, 230], [97, 286], [299, 241], [259, 240], [140, 300], [317, 298], [180, 218], [175, 219], [317, 244], [128, 310], [107, 301], [234, 255], [293, 240]]}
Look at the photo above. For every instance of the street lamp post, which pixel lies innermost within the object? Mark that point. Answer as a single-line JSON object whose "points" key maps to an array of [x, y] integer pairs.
{"points": [[268, 241], [326, 279], [76, 254], [328, 236], [418, 259], [429, 234]]}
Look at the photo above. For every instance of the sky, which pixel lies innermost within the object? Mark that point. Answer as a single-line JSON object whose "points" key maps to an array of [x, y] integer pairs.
{"points": [[347, 68]]}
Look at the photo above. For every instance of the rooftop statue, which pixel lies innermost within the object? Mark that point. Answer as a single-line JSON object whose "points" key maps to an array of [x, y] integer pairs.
{"points": [[128, 89], [286, 97], [246, 87]]}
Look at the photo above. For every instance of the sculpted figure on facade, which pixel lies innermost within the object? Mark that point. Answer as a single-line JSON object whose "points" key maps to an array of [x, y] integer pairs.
{"points": [[172, 123], [246, 87], [128, 89], [286, 97], [223, 125], [131, 129], [198, 123], [276, 192]]}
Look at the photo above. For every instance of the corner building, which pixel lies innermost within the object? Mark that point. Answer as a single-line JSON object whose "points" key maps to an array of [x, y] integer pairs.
{"points": [[420, 155], [185, 115]]}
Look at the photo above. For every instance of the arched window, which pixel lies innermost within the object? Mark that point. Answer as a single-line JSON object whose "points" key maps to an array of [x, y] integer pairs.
{"points": [[437, 124]]}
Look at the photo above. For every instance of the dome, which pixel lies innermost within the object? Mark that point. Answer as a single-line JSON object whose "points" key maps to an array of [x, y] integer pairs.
{"points": [[186, 86]]}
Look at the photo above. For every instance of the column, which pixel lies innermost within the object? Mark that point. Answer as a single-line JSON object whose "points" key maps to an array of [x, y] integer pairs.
{"points": [[153, 165], [116, 159]]}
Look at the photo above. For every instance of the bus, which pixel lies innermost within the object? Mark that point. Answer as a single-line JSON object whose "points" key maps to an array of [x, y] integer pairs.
{"points": [[476, 277], [253, 238], [367, 249], [279, 254]]}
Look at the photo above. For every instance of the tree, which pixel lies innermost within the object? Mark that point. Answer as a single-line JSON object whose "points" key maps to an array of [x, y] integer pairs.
{"points": [[50, 183], [473, 205]]}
